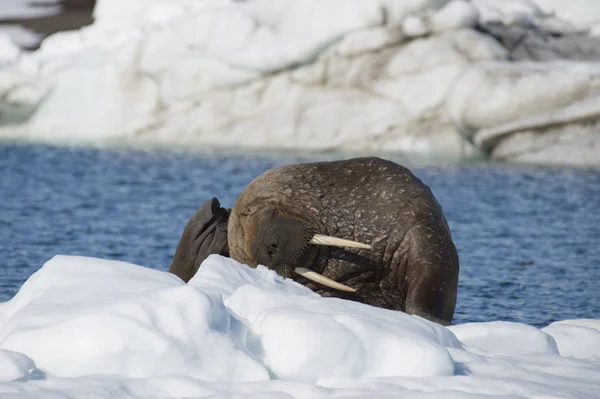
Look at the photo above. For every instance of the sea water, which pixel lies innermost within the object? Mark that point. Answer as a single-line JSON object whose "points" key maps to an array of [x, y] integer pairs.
{"points": [[528, 237]]}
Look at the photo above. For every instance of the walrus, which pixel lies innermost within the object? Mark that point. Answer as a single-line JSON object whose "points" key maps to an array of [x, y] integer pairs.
{"points": [[364, 229]]}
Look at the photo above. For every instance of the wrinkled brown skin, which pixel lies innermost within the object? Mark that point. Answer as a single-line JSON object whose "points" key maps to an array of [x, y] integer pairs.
{"points": [[413, 264]]}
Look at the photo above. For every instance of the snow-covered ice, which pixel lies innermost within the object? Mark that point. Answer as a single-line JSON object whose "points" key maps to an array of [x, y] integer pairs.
{"points": [[420, 76], [9, 52], [85, 327]]}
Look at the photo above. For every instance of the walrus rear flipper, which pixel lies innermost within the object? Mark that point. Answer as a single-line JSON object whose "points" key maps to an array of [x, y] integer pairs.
{"points": [[432, 272], [204, 234]]}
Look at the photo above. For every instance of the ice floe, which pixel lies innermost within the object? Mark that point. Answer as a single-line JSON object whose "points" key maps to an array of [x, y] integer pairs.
{"points": [[82, 327]]}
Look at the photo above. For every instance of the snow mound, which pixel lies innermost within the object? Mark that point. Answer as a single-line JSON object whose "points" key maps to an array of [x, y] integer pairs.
{"points": [[570, 334], [582, 13], [14, 366], [505, 337], [118, 318], [306, 337], [84, 327], [9, 52]]}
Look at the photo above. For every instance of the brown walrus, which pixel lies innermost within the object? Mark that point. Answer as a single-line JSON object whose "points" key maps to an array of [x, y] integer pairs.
{"points": [[366, 223]]}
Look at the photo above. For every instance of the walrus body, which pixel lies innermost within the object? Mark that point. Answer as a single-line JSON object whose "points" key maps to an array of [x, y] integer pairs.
{"points": [[412, 264]]}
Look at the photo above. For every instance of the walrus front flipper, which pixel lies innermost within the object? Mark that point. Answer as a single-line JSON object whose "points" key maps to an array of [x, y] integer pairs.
{"points": [[204, 234]]}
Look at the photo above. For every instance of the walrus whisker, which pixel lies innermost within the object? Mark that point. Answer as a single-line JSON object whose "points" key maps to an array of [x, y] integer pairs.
{"points": [[319, 239], [319, 278]]}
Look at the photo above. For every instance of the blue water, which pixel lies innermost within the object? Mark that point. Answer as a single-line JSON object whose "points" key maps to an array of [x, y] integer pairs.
{"points": [[528, 237]]}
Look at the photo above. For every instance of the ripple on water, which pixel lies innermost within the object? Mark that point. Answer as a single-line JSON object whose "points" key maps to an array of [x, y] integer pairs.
{"points": [[527, 236]]}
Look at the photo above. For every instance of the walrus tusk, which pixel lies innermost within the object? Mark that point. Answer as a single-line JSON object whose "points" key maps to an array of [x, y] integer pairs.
{"points": [[320, 239], [318, 278]]}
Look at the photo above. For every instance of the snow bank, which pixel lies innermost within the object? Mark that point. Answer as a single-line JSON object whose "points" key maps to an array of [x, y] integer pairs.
{"points": [[306, 337], [424, 76], [103, 324], [569, 334], [9, 52], [83, 327], [14, 366], [582, 13], [505, 337]]}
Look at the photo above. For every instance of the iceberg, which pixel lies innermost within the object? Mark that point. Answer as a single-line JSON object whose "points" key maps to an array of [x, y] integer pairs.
{"points": [[458, 78], [85, 327]]}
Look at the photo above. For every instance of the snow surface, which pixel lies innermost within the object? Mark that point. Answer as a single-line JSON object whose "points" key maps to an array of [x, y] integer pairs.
{"points": [[85, 327], [9, 52], [582, 13]]}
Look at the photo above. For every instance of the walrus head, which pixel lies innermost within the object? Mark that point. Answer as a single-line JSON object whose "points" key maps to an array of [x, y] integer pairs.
{"points": [[281, 242], [284, 243]]}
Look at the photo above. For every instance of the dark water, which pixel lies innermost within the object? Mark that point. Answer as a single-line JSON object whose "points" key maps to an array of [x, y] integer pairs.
{"points": [[528, 237]]}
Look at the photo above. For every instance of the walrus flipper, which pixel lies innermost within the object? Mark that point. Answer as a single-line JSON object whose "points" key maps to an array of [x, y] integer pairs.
{"points": [[432, 272], [204, 234]]}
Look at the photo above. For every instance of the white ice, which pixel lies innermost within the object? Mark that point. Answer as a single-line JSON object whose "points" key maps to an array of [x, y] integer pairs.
{"points": [[583, 13], [387, 75], [84, 327]]}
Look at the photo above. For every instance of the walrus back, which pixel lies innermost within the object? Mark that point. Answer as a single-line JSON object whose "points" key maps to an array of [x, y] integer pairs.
{"points": [[359, 198], [412, 265]]}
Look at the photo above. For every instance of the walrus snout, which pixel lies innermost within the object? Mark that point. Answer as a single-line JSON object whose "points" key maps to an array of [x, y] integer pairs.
{"points": [[285, 243]]}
